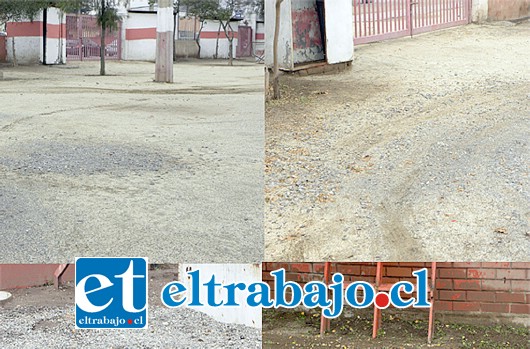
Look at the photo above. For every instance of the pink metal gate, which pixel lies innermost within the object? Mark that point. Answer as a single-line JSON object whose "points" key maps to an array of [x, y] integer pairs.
{"points": [[375, 20], [244, 41], [83, 39]]}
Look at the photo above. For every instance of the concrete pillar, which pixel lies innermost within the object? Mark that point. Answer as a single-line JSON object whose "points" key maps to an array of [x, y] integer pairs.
{"points": [[254, 25], [164, 42], [479, 11], [55, 37], [225, 274]]}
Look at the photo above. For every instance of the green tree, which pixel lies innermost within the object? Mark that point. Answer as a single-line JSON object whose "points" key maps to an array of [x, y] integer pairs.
{"points": [[225, 12], [15, 10], [202, 10], [108, 19]]}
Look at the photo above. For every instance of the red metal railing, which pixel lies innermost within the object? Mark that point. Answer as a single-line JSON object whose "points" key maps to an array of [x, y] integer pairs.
{"points": [[375, 20], [83, 39]]}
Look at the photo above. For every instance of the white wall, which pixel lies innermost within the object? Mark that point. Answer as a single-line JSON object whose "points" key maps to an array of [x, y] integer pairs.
{"points": [[139, 49], [226, 274], [27, 49], [208, 45]]}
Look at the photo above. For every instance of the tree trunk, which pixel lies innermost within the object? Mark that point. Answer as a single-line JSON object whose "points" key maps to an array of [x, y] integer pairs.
{"points": [[230, 52], [231, 43], [276, 71], [217, 42], [102, 43], [102, 52], [175, 32], [198, 39], [230, 38]]}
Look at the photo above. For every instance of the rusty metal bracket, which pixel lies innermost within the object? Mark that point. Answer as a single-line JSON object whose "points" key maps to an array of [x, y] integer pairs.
{"points": [[57, 275]]}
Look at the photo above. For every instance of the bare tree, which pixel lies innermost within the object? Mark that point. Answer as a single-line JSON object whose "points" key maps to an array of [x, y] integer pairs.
{"points": [[225, 12]]}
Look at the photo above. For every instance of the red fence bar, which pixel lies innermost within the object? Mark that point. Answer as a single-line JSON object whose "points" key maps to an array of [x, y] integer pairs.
{"points": [[83, 39]]}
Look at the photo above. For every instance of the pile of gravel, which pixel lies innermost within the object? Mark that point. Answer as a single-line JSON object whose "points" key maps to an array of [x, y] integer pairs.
{"points": [[76, 159], [45, 327]]}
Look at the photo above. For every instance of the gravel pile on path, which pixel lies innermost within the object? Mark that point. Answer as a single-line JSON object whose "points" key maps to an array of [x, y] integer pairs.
{"points": [[420, 152], [44, 327], [76, 159]]}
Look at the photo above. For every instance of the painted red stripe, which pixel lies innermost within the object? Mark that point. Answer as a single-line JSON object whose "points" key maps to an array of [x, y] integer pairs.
{"points": [[56, 31], [213, 35], [260, 36], [140, 33], [24, 28]]}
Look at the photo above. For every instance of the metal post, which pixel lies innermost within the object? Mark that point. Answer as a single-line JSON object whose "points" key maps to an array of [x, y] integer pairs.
{"points": [[44, 33], [79, 20], [58, 274]]}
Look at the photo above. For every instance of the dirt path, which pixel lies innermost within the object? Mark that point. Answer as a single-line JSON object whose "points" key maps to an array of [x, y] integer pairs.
{"points": [[120, 165], [420, 152], [399, 329]]}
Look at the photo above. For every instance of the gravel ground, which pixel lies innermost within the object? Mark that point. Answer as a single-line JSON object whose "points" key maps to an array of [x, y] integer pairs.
{"points": [[54, 327], [420, 152], [43, 317], [120, 165]]}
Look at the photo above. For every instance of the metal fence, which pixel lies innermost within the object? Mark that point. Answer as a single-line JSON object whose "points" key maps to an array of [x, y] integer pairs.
{"points": [[375, 20], [83, 39]]}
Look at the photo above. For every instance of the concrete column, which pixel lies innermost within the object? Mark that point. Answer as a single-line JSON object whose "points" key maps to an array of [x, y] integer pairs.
{"points": [[55, 37], [479, 11], [254, 25], [164, 42]]}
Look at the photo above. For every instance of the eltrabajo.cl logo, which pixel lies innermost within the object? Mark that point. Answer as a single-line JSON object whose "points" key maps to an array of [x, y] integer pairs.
{"points": [[111, 293]]}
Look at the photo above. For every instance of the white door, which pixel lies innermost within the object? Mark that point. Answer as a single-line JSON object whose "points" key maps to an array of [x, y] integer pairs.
{"points": [[339, 30]]}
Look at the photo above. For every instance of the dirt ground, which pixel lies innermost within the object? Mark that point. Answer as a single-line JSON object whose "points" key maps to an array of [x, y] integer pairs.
{"points": [[43, 317], [121, 165], [289, 329], [419, 152]]}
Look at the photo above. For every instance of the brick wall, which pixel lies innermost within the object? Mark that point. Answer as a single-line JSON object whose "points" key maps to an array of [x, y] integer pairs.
{"points": [[29, 275], [460, 287]]}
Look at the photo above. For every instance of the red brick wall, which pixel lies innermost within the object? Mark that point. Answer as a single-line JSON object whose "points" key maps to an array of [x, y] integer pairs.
{"points": [[480, 287], [29, 275]]}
